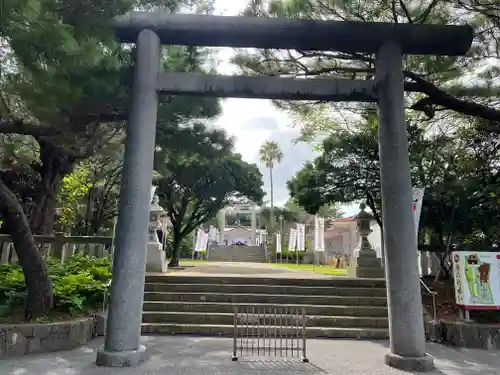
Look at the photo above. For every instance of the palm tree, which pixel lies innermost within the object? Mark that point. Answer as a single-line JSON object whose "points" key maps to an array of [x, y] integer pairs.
{"points": [[270, 155]]}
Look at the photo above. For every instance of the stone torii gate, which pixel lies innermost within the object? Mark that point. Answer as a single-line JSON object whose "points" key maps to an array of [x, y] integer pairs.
{"points": [[388, 41]]}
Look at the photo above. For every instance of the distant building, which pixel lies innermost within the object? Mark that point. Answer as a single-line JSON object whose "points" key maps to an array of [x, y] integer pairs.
{"points": [[239, 234], [342, 237]]}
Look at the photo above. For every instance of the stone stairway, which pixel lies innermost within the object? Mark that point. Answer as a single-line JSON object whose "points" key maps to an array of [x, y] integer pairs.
{"points": [[336, 308], [253, 254]]}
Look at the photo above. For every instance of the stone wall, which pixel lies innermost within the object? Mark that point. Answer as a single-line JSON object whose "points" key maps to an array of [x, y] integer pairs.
{"points": [[20, 339], [465, 335]]}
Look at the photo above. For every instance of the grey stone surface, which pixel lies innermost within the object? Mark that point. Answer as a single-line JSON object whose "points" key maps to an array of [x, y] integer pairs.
{"points": [[283, 33], [212, 356], [339, 90], [19, 340], [465, 335], [365, 264], [418, 364], [403, 285], [235, 253], [101, 320], [127, 358], [204, 305], [127, 287]]}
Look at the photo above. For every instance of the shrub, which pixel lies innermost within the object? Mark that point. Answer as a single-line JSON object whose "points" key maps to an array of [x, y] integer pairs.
{"points": [[186, 246], [292, 254], [78, 285]]}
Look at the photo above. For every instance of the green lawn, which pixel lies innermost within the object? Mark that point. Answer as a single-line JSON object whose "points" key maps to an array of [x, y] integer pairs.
{"points": [[325, 270]]}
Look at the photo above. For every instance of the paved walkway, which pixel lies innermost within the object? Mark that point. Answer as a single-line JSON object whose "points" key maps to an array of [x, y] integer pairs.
{"points": [[235, 269], [211, 356]]}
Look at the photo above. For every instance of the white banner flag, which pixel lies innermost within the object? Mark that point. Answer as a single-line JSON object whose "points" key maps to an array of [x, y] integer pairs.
{"points": [[199, 240], [316, 233], [301, 237], [319, 233], [212, 234], [278, 243], [322, 233], [204, 245], [292, 240], [418, 196]]}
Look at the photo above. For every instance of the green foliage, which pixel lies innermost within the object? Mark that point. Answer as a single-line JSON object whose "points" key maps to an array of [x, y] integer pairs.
{"points": [[65, 85], [270, 154], [200, 175], [185, 246], [428, 79], [78, 285], [459, 173], [285, 254], [75, 186]]}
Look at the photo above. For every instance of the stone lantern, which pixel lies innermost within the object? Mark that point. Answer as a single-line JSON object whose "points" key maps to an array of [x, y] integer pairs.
{"points": [[156, 260], [365, 263], [364, 220]]}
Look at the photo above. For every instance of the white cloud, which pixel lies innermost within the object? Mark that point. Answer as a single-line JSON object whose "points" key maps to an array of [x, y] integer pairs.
{"points": [[253, 122], [230, 7]]}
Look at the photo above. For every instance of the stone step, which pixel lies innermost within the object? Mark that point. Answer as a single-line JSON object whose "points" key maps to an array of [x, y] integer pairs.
{"points": [[242, 256], [226, 253], [227, 330], [237, 252], [333, 281], [375, 272], [269, 319], [227, 307], [238, 260], [255, 255], [216, 258], [369, 262], [266, 289], [266, 298]]}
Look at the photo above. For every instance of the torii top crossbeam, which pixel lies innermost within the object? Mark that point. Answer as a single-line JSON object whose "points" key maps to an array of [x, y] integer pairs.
{"points": [[305, 35]]}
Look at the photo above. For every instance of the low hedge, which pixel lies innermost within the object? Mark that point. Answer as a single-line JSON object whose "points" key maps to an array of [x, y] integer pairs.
{"points": [[78, 285], [285, 254]]}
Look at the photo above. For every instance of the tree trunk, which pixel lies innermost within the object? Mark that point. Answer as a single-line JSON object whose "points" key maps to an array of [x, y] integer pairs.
{"points": [[39, 300], [271, 211], [176, 247], [54, 165]]}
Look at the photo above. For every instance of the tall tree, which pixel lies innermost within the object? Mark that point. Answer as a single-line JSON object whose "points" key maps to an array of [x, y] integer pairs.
{"points": [[270, 155], [64, 89], [434, 85], [200, 175], [458, 172]]}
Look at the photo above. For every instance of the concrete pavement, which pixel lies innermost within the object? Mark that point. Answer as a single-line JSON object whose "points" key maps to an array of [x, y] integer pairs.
{"points": [[187, 355]]}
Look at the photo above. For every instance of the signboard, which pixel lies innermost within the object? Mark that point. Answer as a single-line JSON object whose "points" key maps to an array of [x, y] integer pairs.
{"points": [[477, 280]]}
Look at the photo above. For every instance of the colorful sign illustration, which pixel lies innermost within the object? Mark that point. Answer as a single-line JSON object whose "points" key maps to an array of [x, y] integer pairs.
{"points": [[477, 280]]}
